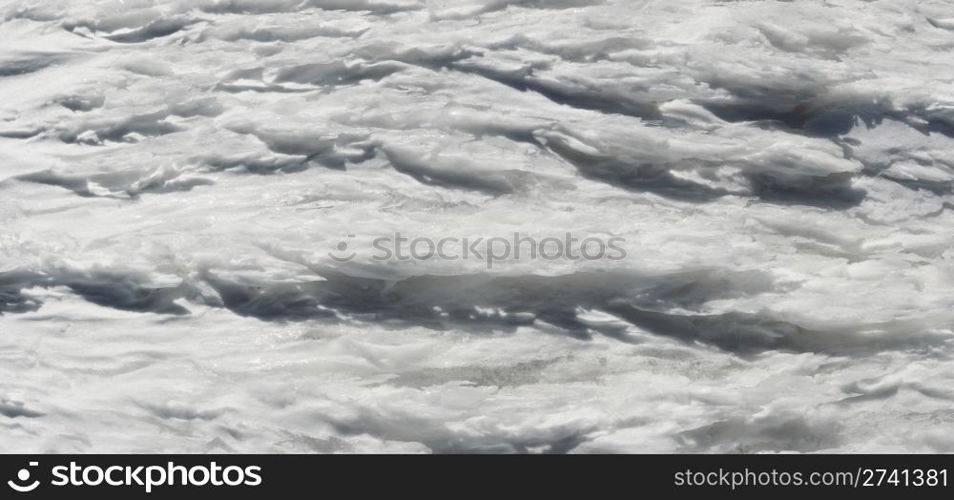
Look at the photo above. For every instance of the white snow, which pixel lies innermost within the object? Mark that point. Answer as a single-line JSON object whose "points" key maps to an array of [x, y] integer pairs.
{"points": [[176, 175]]}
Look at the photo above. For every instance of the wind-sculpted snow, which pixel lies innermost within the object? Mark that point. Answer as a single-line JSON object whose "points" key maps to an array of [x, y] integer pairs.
{"points": [[193, 196]]}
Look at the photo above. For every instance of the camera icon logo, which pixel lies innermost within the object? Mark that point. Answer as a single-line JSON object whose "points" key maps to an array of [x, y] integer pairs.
{"points": [[23, 476]]}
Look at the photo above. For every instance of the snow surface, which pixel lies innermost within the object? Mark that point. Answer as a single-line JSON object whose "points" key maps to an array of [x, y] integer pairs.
{"points": [[174, 174]]}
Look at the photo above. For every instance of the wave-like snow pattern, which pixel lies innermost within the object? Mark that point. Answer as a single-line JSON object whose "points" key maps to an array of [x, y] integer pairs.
{"points": [[174, 174]]}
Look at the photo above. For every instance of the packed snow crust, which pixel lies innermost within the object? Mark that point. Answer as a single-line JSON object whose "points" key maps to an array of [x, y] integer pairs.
{"points": [[176, 176]]}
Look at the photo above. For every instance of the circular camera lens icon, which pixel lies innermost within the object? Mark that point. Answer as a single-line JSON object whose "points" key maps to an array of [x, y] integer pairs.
{"points": [[23, 476], [342, 252]]}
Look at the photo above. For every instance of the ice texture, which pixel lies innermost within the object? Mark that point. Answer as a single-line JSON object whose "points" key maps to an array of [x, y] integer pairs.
{"points": [[176, 175]]}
